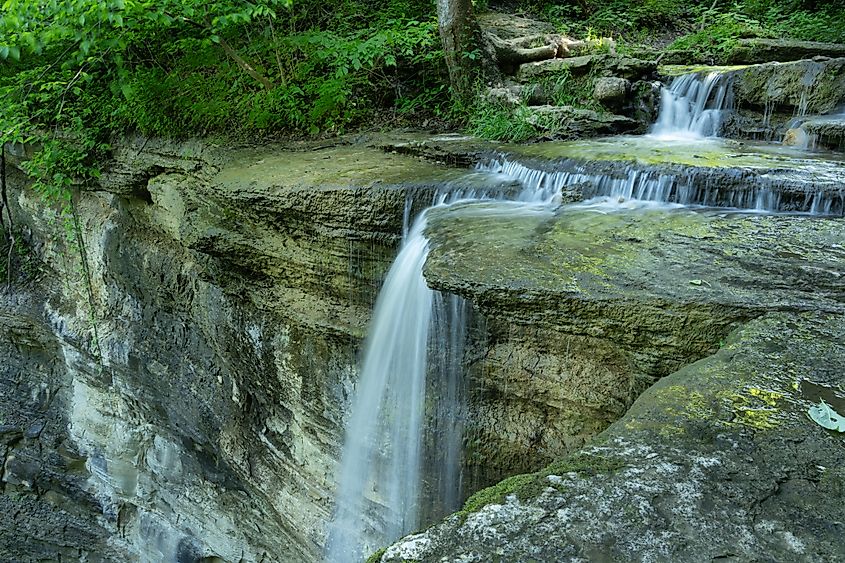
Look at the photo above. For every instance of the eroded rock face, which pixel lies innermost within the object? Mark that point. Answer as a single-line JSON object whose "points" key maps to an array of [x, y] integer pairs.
{"points": [[586, 310], [769, 96], [188, 402], [716, 460]]}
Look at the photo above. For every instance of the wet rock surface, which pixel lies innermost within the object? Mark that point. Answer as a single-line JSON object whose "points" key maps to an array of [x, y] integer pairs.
{"points": [[48, 512]]}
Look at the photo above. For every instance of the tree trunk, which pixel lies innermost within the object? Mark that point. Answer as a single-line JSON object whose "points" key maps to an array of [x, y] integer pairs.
{"points": [[461, 46]]}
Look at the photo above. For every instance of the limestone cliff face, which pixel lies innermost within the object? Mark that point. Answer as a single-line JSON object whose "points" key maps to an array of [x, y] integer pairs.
{"points": [[191, 404]]}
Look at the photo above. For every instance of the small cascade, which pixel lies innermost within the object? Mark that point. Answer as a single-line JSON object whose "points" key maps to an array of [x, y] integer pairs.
{"points": [[627, 182], [694, 106], [401, 461]]}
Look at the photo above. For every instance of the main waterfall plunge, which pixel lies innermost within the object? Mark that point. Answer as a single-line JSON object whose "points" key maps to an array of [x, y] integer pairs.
{"points": [[403, 447], [414, 331]]}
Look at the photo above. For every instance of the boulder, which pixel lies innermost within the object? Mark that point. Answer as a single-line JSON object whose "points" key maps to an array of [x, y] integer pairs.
{"points": [[611, 91], [567, 122], [757, 50]]}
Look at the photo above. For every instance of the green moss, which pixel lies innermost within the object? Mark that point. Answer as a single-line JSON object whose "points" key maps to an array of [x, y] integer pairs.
{"points": [[647, 151], [497, 493], [530, 485], [376, 557]]}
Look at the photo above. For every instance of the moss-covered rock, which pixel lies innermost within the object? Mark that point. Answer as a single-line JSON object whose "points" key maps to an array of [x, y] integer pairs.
{"points": [[760, 50]]}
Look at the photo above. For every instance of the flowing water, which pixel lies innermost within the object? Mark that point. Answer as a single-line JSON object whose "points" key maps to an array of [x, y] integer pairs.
{"points": [[414, 332], [381, 456], [694, 106]]}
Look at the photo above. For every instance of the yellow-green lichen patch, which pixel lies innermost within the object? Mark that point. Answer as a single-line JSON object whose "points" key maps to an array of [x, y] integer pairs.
{"points": [[678, 70]]}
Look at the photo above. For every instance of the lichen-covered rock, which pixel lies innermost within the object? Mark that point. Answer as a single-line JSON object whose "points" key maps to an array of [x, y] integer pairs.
{"points": [[584, 310], [768, 96]]}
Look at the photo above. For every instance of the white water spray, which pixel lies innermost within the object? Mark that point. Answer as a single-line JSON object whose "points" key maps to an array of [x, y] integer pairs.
{"points": [[379, 485], [694, 106]]}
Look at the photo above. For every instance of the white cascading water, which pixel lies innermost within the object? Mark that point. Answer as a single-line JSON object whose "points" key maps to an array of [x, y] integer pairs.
{"points": [[380, 480], [694, 106], [381, 454], [643, 185]]}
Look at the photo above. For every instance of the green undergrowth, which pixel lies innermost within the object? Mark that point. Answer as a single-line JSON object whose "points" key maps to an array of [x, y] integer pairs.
{"points": [[501, 122], [530, 485], [704, 28], [566, 90]]}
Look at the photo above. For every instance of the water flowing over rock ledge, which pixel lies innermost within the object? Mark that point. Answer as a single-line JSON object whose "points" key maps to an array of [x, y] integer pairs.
{"points": [[709, 172]]}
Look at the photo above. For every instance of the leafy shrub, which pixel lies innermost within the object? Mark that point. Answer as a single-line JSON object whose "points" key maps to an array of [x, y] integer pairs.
{"points": [[719, 38]]}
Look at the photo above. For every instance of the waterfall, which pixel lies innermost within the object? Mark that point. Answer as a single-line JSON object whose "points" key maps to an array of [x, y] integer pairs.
{"points": [[381, 455], [398, 414], [694, 106]]}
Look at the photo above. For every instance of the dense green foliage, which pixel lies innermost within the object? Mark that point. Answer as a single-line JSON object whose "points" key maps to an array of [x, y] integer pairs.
{"points": [[185, 67], [649, 20]]}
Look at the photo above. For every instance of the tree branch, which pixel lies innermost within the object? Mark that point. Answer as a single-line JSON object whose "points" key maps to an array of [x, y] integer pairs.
{"points": [[245, 66]]}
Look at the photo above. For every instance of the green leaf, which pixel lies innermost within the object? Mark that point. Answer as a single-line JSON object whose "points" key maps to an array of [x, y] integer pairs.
{"points": [[826, 417]]}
